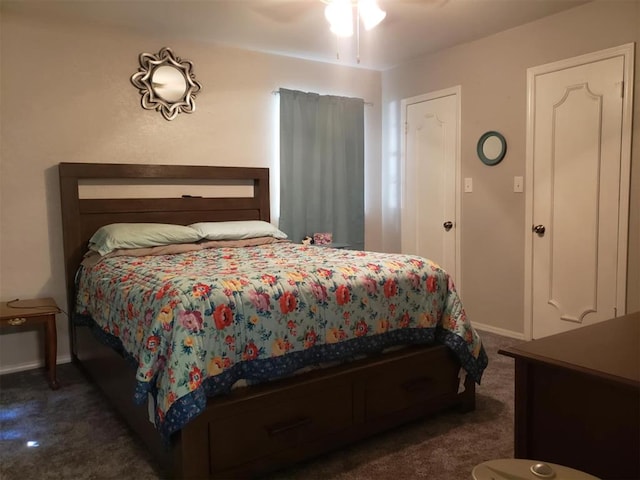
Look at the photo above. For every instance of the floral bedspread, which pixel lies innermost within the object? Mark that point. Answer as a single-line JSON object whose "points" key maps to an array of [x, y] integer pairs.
{"points": [[194, 323]]}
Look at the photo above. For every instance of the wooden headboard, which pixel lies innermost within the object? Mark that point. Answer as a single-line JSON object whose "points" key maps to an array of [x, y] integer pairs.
{"points": [[82, 217]]}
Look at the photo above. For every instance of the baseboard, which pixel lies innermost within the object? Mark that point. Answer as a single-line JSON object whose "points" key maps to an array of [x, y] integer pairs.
{"points": [[498, 331], [21, 367]]}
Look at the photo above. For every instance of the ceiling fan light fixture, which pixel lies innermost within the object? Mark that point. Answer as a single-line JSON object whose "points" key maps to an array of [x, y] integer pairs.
{"points": [[370, 13], [339, 14]]}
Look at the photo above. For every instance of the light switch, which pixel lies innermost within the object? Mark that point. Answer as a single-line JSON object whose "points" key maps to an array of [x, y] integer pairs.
{"points": [[468, 185], [518, 184]]}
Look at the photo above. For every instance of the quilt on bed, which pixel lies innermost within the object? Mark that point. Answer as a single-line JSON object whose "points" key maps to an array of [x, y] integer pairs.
{"points": [[196, 322]]}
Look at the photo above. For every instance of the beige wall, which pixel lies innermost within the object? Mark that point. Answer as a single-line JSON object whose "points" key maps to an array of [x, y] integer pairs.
{"points": [[66, 97], [492, 73]]}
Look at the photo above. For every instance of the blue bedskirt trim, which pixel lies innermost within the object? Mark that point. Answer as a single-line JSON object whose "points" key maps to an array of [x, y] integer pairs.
{"points": [[262, 370], [473, 366]]}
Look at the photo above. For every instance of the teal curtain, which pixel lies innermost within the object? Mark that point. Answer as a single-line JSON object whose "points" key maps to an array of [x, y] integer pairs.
{"points": [[322, 166]]}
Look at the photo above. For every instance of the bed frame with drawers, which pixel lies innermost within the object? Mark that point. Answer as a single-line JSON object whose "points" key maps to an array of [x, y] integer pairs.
{"points": [[260, 428]]}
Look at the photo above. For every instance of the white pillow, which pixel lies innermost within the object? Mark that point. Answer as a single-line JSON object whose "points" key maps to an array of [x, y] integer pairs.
{"points": [[237, 230], [140, 235]]}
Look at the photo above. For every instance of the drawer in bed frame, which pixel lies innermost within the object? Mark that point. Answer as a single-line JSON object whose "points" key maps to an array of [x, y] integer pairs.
{"points": [[271, 426], [398, 385], [282, 421]]}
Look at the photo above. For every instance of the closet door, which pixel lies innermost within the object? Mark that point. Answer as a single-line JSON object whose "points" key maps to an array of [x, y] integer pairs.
{"points": [[578, 171], [430, 208]]}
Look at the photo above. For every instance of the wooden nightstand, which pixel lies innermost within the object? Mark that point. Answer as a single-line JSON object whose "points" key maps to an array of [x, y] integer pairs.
{"points": [[24, 314]]}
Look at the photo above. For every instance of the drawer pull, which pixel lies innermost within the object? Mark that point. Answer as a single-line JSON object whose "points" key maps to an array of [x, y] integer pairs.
{"points": [[417, 385], [17, 321], [283, 427]]}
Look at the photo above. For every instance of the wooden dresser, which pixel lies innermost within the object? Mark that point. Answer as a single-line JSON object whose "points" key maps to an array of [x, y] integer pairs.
{"points": [[577, 398]]}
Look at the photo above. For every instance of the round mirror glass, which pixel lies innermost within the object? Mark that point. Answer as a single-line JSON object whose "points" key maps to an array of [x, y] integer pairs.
{"points": [[168, 83], [492, 147]]}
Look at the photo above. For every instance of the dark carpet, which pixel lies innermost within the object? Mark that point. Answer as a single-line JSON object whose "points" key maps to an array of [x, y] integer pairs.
{"points": [[80, 437]]}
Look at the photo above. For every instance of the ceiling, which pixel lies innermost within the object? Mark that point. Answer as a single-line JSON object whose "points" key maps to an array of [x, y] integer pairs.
{"points": [[298, 28]]}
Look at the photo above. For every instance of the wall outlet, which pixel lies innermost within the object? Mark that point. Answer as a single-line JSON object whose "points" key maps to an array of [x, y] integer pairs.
{"points": [[468, 185], [518, 184]]}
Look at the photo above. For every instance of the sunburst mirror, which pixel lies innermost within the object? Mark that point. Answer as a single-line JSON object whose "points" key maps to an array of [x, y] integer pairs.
{"points": [[167, 83]]}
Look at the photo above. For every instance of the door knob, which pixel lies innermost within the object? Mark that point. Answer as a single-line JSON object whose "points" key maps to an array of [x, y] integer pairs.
{"points": [[539, 229], [447, 225]]}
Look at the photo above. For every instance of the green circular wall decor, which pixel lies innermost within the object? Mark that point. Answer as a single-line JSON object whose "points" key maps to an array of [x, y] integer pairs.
{"points": [[492, 148]]}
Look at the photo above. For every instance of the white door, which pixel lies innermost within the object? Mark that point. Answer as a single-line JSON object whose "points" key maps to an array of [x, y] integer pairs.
{"points": [[578, 174], [430, 176]]}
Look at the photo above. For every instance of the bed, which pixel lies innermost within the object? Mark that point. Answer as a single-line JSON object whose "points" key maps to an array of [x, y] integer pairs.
{"points": [[376, 373]]}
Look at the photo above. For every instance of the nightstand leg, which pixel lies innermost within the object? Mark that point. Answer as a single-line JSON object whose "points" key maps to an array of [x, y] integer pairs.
{"points": [[51, 347]]}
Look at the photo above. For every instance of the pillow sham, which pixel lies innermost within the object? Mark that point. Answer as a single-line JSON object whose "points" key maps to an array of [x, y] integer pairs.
{"points": [[237, 230], [140, 235]]}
